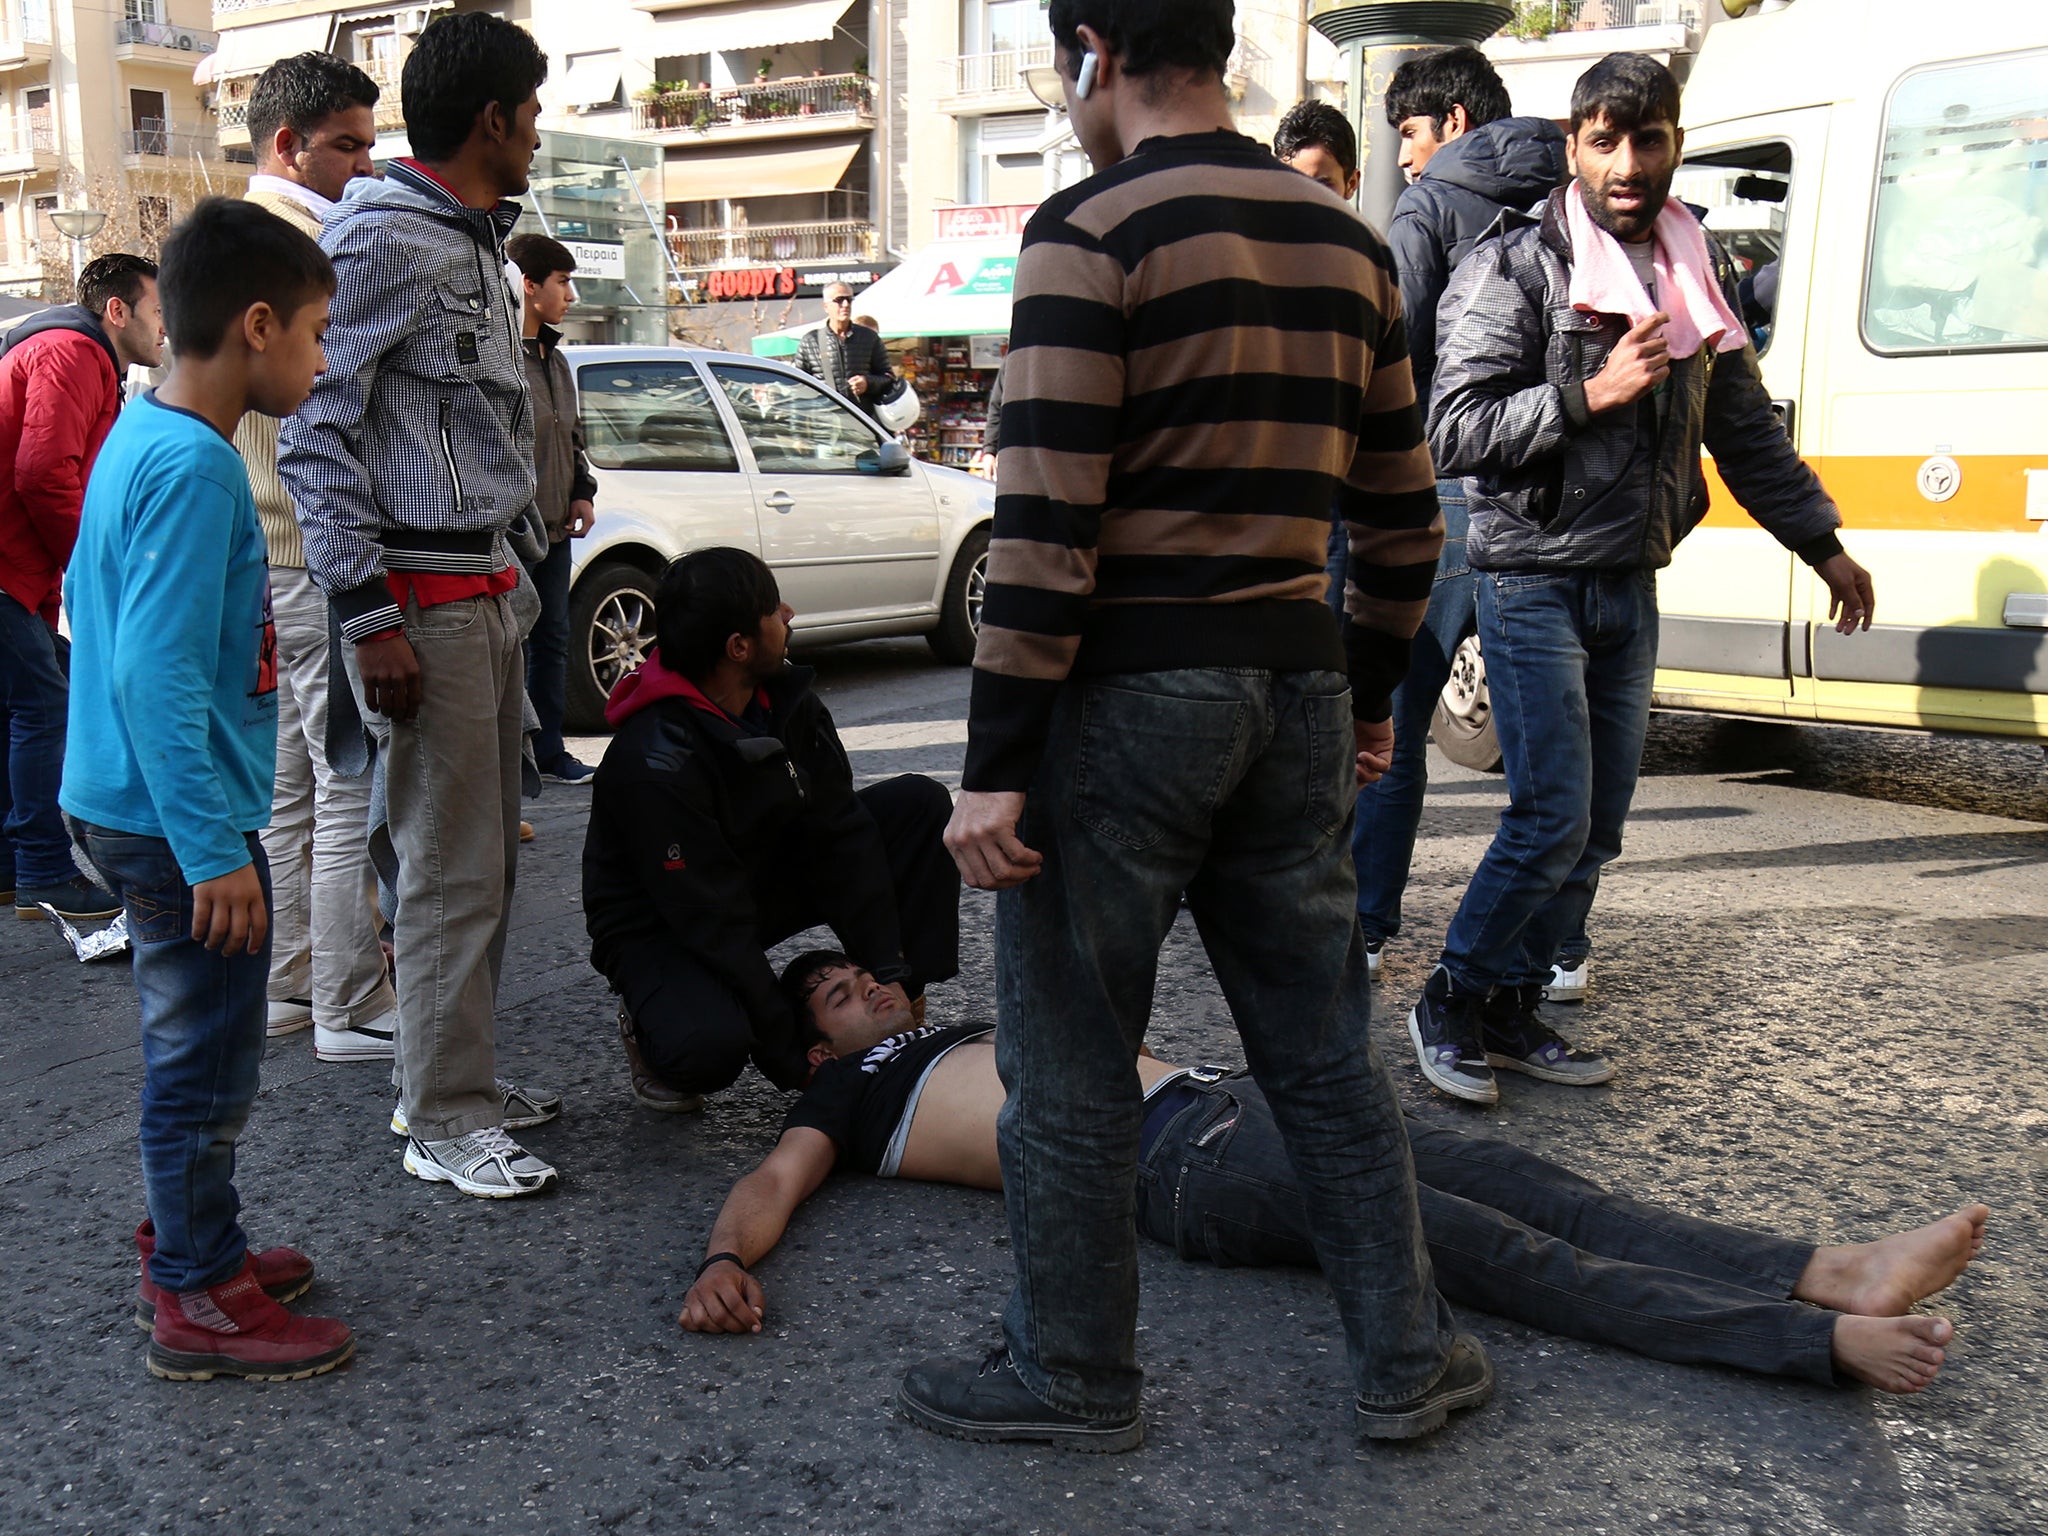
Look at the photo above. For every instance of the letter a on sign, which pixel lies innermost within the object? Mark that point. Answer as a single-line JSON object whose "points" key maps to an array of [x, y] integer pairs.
{"points": [[947, 278]]}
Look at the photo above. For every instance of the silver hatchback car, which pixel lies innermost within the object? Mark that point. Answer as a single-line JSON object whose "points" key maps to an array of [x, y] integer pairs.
{"points": [[694, 448]]}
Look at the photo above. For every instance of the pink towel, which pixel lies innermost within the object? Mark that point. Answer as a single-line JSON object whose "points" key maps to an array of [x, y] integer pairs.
{"points": [[1604, 282]]}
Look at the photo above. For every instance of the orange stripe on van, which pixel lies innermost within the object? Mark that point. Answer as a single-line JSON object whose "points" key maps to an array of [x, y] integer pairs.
{"points": [[1881, 491]]}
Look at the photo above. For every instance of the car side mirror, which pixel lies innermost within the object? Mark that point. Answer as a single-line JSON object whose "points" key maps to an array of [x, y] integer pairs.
{"points": [[884, 459]]}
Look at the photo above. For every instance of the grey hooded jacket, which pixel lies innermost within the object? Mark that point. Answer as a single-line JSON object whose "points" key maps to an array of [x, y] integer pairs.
{"points": [[1512, 162], [1552, 487], [415, 450]]}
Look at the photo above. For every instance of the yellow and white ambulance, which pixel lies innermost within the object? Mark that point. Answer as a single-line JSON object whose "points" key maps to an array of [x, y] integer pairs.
{"points": [[1883, 164]]}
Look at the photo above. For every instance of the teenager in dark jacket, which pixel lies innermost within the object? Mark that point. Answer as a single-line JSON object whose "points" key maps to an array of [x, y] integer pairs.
{"points": [[60, 390], [725, 820]]}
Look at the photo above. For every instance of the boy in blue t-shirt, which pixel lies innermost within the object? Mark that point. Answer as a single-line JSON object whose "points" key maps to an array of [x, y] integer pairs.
{"points": [[169, 766]]}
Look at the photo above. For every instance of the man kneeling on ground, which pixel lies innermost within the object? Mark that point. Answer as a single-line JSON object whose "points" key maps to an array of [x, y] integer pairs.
{"points": [[724, 820], [901, 1101]]}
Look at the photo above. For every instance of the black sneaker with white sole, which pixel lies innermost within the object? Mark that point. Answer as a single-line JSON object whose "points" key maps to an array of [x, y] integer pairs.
{"points": [[1517, 1040], [1467, 1382], [1444, 1029], [989, 1402]]}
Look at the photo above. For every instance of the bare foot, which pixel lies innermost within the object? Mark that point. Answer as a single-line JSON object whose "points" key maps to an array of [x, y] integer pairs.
{"points": [[1893, 1354], [1885, 1278]]}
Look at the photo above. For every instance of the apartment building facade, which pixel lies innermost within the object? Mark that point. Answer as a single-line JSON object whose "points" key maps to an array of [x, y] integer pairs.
{"points": [[100, 112]]}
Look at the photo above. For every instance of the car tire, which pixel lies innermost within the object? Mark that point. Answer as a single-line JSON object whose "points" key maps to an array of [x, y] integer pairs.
{"points": [[1462, 723], [960, 609], [611, 630]]}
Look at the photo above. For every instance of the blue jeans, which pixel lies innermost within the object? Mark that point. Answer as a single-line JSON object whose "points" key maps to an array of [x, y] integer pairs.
{"points": [[202, 1043], [34, 849], [1570, 659], [1509, 1233], [547, 654], [1236, 787], [1389, 812]]}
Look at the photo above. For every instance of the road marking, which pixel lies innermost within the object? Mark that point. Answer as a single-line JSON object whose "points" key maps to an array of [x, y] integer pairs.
{"points": [[910, 733]]}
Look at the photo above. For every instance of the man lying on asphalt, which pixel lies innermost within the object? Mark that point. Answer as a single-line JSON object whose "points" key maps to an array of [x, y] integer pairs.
{"points": [[725, 820], [898, 1100]]}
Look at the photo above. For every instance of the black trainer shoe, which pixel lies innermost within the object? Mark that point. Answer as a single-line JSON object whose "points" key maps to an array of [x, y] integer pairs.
{"points": [[1467, 1382], [989, 1402], [77, 899], [1444, 1028], [1517, 1040]]}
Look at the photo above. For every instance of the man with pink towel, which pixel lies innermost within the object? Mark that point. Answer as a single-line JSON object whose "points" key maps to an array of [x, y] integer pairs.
{"points": [[1585, 353]]}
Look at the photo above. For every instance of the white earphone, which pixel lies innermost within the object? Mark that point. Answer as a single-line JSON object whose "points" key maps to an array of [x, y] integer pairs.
{"points": [[1084, 82]]}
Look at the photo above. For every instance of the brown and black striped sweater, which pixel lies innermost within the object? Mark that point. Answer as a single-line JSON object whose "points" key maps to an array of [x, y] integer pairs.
{"points": [[1206, 353]]}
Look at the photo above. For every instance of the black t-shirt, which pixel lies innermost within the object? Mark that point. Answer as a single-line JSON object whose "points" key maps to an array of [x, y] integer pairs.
{"points": [[860, 1101]]}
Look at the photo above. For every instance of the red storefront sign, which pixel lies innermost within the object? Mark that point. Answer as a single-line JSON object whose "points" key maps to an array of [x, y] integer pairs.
{"points": [[751, 283], [984, 221]]}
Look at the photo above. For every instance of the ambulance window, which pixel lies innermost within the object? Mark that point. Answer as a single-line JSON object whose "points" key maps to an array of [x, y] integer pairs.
{"points": [[1745, 192], [1959, 238]]}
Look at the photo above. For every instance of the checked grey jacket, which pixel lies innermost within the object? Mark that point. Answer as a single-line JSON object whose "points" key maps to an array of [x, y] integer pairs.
{"points": [[1552, 487], [415, 450]]}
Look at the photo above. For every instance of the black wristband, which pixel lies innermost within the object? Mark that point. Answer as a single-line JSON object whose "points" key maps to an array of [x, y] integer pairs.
{"points": [[718, 1258]]}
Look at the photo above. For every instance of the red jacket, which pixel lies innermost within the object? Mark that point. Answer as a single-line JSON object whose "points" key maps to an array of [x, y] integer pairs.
{"points": [[60, 389]]}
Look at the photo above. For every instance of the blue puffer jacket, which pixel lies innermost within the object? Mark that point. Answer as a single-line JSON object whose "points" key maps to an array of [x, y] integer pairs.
{"points": [[415, 450], [1512, 162]]}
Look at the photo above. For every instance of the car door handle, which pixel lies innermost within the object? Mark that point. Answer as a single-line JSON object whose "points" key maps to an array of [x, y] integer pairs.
{"points": [[781, 501]]}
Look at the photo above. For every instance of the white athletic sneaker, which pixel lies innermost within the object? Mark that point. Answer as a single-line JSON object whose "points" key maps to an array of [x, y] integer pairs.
{"points": [[1372, 958], [372, 1041], [1569, 986], [486, 1163], [287, 1016], [524, 1107]]}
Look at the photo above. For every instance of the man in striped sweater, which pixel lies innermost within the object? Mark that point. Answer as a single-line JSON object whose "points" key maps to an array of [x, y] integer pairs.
{"points": [[1207, 348], [311, 119]]}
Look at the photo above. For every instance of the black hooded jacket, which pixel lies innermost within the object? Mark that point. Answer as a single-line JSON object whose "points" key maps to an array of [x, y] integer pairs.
{"points": [[1512, 162]]}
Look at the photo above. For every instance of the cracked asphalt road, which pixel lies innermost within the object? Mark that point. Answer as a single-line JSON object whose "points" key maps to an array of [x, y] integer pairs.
{"points": [[1821, 964]]}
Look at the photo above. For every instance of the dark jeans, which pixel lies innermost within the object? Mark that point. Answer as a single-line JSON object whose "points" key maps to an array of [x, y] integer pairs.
{"points": [[202, 1043], [1509, 1234], [1570, 659], [1389, 812], [1236, 787], [547, 653], [693, 1030], [34, 849]]}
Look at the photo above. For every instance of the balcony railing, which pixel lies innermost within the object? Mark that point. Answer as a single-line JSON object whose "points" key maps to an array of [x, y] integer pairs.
{"points": [[37, 136], [997, 74], [766, 101], [773, 244], [232, 114], [160, 141], [26, 29], [1600, 15], [160, 34]]}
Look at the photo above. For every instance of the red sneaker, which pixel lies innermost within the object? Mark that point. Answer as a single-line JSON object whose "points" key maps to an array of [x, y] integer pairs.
{"points": [[233, 1329], [284, 1274]]}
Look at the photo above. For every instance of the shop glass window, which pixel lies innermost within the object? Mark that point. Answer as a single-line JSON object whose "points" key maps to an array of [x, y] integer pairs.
{"points": [[1746, 192], [1959, 236], [651, 416], [793, 427]]}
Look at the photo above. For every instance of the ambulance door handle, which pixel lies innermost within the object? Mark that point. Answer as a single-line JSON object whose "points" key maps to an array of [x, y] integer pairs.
{"points": [[1782, 409], [781, 501]]}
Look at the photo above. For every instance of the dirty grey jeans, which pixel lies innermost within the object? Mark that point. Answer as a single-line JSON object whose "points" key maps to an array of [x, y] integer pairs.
{"points": [[1235, 786], [323, 928], [452, 780]]}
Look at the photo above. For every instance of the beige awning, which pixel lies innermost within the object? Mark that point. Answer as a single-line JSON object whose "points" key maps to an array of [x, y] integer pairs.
{"points": [[767, 171], [251, 50], [749, 24], [592, 80]]}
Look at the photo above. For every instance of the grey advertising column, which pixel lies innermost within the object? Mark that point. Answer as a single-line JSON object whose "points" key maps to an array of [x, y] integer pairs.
{"points": [[1376, 38]]}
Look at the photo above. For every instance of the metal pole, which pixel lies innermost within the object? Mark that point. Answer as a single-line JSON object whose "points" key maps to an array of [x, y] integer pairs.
{"points": [[674, 271], [1376, 37]]}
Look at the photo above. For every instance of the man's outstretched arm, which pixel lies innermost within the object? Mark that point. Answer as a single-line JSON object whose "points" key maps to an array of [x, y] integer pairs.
{"points": [[725, 1297]]}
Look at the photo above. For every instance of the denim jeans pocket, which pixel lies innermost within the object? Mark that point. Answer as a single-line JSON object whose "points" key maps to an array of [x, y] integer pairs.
{"points": [[146, 877], [1150, 763], [1507, 582], [1332, 759], [444, 618]]}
